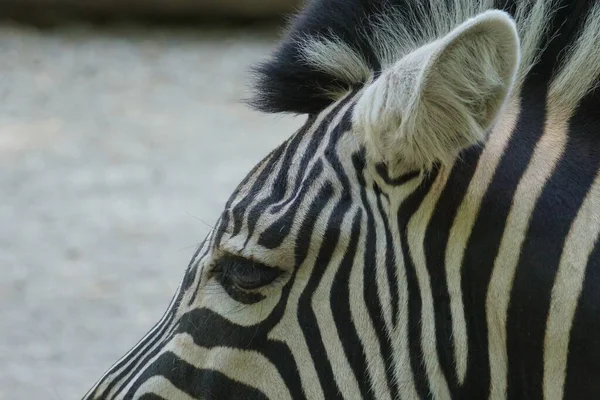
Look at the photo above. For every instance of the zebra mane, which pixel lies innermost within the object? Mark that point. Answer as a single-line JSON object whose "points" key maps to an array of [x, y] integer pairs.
{"points": [[335, 45]]}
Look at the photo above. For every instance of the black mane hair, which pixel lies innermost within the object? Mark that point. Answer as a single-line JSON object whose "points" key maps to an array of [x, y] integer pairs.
{"points": [[290, 82]]}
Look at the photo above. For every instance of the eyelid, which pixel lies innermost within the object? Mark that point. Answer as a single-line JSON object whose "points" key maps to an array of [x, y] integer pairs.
{"points": [[233, 268], [227, 257]]}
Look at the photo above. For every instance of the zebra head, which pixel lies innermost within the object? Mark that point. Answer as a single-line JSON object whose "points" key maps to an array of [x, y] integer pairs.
{"points": [[334, 270]]}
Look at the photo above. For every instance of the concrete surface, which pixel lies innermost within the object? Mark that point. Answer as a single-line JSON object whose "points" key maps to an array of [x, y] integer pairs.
{"points": [[115, 145]]}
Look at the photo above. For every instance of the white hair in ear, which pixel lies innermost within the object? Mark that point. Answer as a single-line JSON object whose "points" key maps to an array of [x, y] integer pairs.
{"points": [[442, 97]]}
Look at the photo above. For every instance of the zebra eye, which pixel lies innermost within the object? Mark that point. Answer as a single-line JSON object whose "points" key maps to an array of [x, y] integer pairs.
{"points": [[245, 274]]}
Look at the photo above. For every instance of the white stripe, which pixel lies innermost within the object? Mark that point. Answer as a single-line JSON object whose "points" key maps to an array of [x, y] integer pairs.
{"points": [[463, 225], [124, 389], [566, 292], [161, 386], [381, 276], [138, 349], [416, 230], [288, 329], [403, 370], [247, 367], [321, 304], [543, 162], [362, 320]]}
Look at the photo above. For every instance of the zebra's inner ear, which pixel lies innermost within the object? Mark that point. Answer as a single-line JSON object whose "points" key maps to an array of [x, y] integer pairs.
{"points": [[442, 97]]}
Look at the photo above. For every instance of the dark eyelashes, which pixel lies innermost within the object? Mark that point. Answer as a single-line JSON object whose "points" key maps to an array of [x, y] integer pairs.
{"points": [[230, 263], [244, 274]]}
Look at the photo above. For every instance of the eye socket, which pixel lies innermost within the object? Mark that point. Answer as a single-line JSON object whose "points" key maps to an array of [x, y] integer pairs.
{"points": [[245, 274]]}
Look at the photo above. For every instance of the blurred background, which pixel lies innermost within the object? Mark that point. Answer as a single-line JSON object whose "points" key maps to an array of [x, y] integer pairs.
{"points": [[122, 133]]}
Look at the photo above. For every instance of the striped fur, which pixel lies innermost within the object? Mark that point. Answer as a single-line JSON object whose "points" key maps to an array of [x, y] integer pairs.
{"points": [[474, 280]]}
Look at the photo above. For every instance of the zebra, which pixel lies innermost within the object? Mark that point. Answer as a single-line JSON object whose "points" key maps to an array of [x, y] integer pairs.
{"points": [[430, 232]]}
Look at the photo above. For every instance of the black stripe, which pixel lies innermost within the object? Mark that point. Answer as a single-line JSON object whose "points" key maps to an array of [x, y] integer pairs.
{"points": [[280, 183], [303, 238], [486, 235], [280, 355], [209, 329], [319, 136], [383, 173], [370, 286], [190, 275], [237, 213], [276, 232], [151, 396], [340, 307], [406, 211], [197, 383], [436, 245], [223, 223], [549, 226], [161, 330], [140, 350], [278, 188], [306, 315], [583, 366], [340, 296], [390, 258], [145, 358]]}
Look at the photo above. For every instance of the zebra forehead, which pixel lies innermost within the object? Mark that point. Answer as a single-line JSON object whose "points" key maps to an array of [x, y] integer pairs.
{"points": [[283, 187], [334, 45], [289, 165]]}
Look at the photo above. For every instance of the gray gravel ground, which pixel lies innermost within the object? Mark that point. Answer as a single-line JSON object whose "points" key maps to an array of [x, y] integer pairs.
{"points": [[115, 145]]}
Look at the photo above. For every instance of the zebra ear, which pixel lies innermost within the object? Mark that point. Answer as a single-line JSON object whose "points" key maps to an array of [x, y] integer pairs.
{"points": [[442, 97]]}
